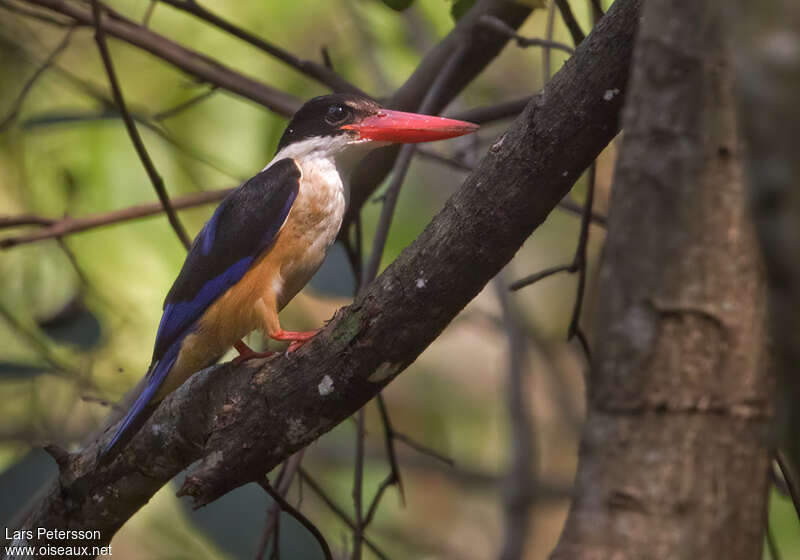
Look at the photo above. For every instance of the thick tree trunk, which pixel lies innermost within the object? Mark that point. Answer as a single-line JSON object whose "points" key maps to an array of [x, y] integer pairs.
{"points": [[673, 458]]}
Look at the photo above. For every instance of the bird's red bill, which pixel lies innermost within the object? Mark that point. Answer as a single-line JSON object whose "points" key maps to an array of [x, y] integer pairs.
{"points": [[397, 126]]}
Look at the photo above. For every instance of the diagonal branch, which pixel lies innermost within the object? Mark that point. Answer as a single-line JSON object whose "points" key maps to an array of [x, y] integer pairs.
{"points": [[48, 62], [242, 420], [66, 226], [308, 67], [141, 151], [192, 62]]}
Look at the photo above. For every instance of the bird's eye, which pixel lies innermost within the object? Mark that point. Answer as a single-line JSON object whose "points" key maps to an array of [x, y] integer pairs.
{"points": [[337, 114]]}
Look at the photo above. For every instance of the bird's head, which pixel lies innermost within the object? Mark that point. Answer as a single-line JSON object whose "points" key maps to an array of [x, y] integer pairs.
{"points": [[338, 122]]}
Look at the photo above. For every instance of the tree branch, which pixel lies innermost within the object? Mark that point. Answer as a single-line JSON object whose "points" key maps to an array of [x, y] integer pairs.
{"points": [[308, 67], [241, 421], [480, 46], [141, 151], [66, 226], [192, 62]]}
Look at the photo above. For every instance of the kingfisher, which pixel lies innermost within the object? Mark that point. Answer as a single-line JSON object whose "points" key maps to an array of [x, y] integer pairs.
{"points": [[265, 241]]}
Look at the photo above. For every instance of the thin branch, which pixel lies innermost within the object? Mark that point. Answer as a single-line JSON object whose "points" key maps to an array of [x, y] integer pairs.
{"points": [[203, 67], [520, 480], [597, 10], [565, 204], [141, 151], [20, 99], [500, 26], [569, 20], [358, 483], [35, 14], [302, 519], [387, 212], [376, 500], [541, 275], [547, 68], [338, 511], [424, 449], [180, 107], [149, 13], [67, 226], [491, 113], [791, 483], [310, 68], [389, 435], [401, 168], [772, 545], [282, 485], [25, 220], [580, 260]]}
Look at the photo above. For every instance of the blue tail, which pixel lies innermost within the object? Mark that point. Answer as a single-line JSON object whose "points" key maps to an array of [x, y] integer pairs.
{"points": [[141, 409]]}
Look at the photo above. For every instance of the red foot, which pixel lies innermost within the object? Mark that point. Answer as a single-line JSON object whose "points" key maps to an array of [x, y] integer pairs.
{"points": [[297, 338], [247, 353]]}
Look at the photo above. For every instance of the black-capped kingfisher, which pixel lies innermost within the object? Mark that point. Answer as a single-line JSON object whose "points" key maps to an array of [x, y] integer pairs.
{"points": [[266, 239]]}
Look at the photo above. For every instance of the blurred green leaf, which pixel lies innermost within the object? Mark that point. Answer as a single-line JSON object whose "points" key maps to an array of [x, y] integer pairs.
{"points": [[73, 324], [460, 7], [398, 5]]}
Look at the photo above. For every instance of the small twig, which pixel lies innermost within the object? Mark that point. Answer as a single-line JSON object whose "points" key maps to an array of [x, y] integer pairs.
{"points": [[67, 226], [389, 200], [302, 519], [149, 13], [358, 484], [310, 68], [401, 168], [597, 10], [520, 480], [491, 113], [102, 402], [25, 220], [569, 20], [547, 68], [389, 434], [202, 67], [326, 57], [59, 455], [580, 252], [376, 500], [20, 99], [276, 541], [584, 342], [498, 25], [282, 484], [180, 107], [541, 275], [424, 449], [791, 483], [772, 546], [336, 509], [35, 14], [565, 204], [144, 157]]}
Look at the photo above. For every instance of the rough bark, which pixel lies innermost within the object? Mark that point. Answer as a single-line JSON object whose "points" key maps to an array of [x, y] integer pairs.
{"points": [[767, 39], [241, 421], [673, 459]]}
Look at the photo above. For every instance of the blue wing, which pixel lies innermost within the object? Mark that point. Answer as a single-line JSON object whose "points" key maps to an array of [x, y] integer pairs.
{"points": [[243, 226]]}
